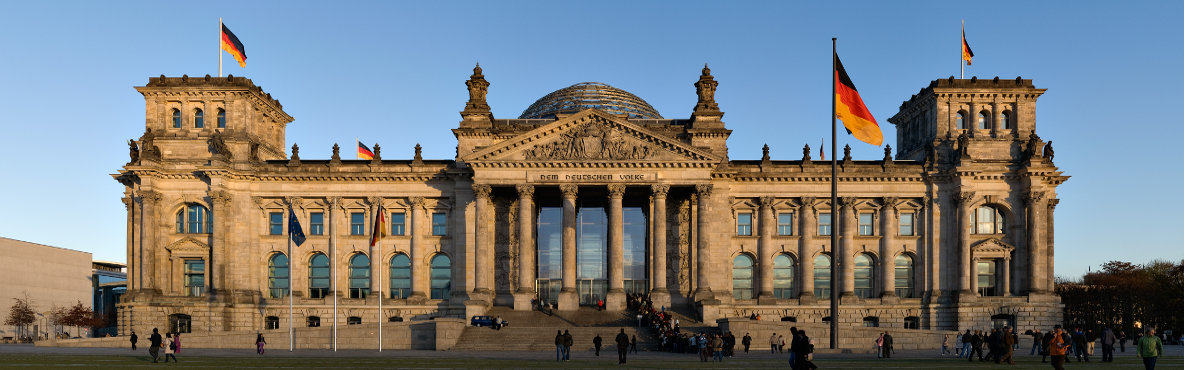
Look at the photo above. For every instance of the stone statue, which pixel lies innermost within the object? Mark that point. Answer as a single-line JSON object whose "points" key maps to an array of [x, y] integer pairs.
{"points": [[846, 152], [478, 87], [418, 152], [295, 153], [133, 152], [765, 153], [806, 152], [336, 153], [1048, 151], [1033, 145], [377, 153], [964, 144], [887, 153], [218, 145], [705, 88]]}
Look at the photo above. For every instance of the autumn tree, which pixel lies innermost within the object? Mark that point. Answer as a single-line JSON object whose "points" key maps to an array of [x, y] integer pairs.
{"points": [[21, 315]]}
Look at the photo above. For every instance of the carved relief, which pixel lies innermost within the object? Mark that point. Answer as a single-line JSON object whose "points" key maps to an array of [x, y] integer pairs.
{"points": [[221, 198], [704, 190], [505, 244], [525, 191], [1034, 197], [767, 201], [679, 263], [569, 191], [616, 191], [965, 199], [481, 191], [593, 141], [659, 190]]}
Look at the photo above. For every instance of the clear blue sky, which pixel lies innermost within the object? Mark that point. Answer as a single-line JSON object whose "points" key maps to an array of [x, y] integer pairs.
{"points": [[393, 73]]}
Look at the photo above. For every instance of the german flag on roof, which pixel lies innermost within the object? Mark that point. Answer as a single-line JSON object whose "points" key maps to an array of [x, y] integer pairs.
{"points": [[231, 44], [849, 107], [364, 151]]}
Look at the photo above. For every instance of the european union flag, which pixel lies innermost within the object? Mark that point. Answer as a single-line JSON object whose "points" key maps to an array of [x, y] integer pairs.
{"points": [[294, 230]]}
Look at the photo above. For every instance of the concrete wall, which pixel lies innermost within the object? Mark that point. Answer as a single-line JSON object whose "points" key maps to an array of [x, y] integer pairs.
{"points": [[851, 340], [51, 276]]}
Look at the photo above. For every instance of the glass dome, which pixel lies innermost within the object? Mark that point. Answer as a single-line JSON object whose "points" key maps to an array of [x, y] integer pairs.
{"points": [[586, 95]]}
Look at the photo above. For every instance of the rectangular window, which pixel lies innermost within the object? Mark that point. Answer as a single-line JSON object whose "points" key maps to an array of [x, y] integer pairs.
{"points": [[865, 224], [986, 278], [275, 223], [785, 224], [439, 224], [398, 223], [906, 224], [195, 277], [824, 223], [316, 223], [744, 224], [357, 223]]}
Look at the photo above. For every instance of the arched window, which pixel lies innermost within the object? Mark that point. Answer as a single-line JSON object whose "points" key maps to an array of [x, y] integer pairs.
{"points": [[822, 276], [359, 276], [271, 322], [904, 276], [199, 118], [864, 275], [221, 118], [1005, 120], [318, 276], [988, 220], [314, 321], [400, 276], [176, 118], [961, 120], [742, 277], [193, 219], [982, 120], [783, 276], [441, 277], [277, 275]]}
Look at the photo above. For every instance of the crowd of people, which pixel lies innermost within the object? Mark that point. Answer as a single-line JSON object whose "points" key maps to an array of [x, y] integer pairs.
{"points": [[1057, 345], [170, 344]]}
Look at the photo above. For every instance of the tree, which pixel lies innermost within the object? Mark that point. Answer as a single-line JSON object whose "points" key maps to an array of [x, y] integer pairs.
{"points": [[22, 315], [78, 316]]}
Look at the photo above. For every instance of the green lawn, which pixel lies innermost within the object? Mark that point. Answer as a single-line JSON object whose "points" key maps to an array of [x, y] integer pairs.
{"points": [[459, 360]]}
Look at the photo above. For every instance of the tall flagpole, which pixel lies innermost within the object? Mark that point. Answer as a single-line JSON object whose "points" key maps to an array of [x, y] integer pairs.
{"points": [[378, 238], [333, 269], [962, 49], [834, 199], [220, 75], [291, 332]]}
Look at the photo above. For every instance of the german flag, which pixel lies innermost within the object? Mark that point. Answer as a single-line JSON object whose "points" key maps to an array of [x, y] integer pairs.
{"points": [[231, 44], [379, 230], [850, 108], [966, 53], [364, 151]]}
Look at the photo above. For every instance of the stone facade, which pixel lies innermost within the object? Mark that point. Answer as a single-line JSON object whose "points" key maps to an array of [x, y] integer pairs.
{"points": [[959, 205]]}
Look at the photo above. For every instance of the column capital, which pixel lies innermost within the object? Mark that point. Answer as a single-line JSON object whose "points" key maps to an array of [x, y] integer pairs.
{"points": [[569, 190], [149, 197], [334, 202], [1052, 203], [704, 190], [965, 198], [481, 191], [416, 202], [808, 201], [1033, 198], [293, 201], [525, 191], [220, 197], [377, 201], [767, 201], [848, 201], [616, 191], [127, 202], [659, 190]]}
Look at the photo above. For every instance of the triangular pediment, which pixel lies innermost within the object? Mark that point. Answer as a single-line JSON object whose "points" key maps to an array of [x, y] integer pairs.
{"points": [[992, 248], [188, 245], [592, 136]]}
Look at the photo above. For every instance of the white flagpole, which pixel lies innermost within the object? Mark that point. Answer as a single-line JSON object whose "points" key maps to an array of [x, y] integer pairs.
{"points": [[962, 49], [333, 269], [291, 332], [220, 75], [378, 235]]}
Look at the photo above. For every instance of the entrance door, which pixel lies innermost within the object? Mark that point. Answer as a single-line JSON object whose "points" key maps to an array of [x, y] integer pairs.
{"points": [[591, 290], [548, 290]]}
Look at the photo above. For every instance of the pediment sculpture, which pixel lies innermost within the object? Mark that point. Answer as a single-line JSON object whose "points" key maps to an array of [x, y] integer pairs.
{"points": [[593, 141]]}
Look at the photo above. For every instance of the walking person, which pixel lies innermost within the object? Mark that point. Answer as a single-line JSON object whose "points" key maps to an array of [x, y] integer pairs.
{"points": [[559, 345], [780, 343], [633, 344], [154, 342], [803, 351], [880, 346], [1036, 337], [1079, 347], [567, 343], [966, 343], [170, 347], [945, 345], [1058, 347], [622, 346], [746, 341], [259, 342], [1044, 343], [1149, 348], [1108, 340], [177, 341], [134, 339], [976, 345], [597, 342], [1007, 350], [887, 347], [702, 345], [773, 343], [794, 337]]}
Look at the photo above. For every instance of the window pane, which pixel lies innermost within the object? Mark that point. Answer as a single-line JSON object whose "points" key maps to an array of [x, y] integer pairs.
{"points": [[864, 278], [744, 224], [439, 224], [195, 277], [398, 223], [176, 118], [822, 276], [199, 119], [359, 276], [318, 276], [824, 224], [742, 277], [221, 118], [316, 223], [276, 223], [865, 224], [982, 120], [400, 276], [549, 242], [904, 276], [1005, 121], [181, 221], [441, 277], [277, 275], [785, 224], [961, 121], [906, 224], [357, 223], [783, 277], [633, 230]]}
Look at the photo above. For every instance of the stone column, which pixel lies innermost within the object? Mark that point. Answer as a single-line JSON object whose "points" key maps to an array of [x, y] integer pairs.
{"points": [[525, 292], [615, 299], [974, 277], [965, 268], [420, 270], [1006, 283], [659, 295], [765, 249], [702, 245], [483, 260], [219, 263], [129, 205], [805, 249], [149, 200], [569, 298], [1048, 276], [847, 246], [1032, 203], [888, 214]]}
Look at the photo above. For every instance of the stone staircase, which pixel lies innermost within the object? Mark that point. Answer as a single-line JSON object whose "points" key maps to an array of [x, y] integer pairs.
{"points": [[535, 331]]}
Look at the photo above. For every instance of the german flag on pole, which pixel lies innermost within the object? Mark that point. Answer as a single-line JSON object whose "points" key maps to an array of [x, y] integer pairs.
{"points": [[231, 44], [849, 107], [364, 151], [966, 53], [379, 230]]}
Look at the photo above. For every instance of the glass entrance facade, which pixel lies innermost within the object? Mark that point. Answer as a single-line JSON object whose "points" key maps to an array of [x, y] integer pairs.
{"points": [[591, 252]]}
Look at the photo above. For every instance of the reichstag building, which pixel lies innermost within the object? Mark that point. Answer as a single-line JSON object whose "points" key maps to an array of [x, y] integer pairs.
{"points": [[589, 195]]}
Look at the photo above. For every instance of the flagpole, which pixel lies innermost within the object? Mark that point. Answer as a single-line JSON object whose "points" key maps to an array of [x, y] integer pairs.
{"points": [[378, 238], [291, 332], [356, 145], [220, 75], [834, 199], [962, 49], [333, 269]]}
